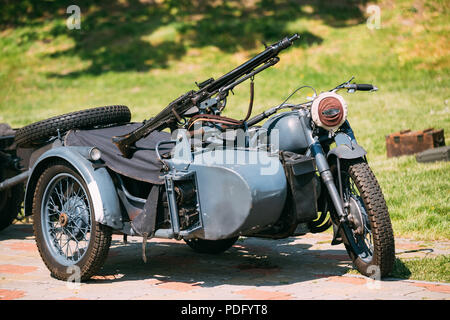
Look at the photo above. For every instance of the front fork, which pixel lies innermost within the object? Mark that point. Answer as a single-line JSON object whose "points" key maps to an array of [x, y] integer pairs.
{"points": [[328, 179], [323, 167]]}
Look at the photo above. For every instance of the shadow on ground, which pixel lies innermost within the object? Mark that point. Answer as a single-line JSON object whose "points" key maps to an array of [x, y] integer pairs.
{"points": [[250, 261], [113, 33]]}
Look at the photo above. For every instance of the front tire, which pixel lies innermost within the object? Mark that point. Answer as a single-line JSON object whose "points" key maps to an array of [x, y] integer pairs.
{"points": [[67, 236], [368, 236]]}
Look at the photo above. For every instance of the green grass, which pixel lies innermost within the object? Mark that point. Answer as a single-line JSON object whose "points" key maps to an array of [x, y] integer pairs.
{"points": [[433, 269], [424, 269], [144, 54]]}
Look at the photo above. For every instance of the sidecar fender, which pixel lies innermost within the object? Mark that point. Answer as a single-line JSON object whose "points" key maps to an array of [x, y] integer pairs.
{"points": [[100, 185]]}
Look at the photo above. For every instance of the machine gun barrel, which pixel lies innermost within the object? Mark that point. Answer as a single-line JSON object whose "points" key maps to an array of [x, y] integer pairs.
{"points": [[175, 110], [270, 52]]}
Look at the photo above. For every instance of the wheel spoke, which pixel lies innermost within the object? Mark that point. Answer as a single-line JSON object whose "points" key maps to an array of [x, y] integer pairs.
{"points": [[360, 243], [69, 235]]}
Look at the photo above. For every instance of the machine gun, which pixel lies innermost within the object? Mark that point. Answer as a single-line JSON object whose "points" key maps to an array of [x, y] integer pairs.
{"points": [[172, 114]]}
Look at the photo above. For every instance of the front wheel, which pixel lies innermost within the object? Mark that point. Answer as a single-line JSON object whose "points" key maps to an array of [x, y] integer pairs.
{"points": [[71, 243], [367, 235]]}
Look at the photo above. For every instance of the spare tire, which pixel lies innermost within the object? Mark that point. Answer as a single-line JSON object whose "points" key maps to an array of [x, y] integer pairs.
{"points": [[37, 133]]}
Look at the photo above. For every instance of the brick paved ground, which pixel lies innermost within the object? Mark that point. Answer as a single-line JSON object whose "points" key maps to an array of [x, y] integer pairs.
{"points": [[305, 267]]}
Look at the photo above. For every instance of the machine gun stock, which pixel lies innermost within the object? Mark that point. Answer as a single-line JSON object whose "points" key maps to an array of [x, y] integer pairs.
{"points": [[168, 116]]}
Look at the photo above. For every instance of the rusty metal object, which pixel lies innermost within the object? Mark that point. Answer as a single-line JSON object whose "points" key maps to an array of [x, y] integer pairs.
{"points": [[409, 142], [63, 219]]}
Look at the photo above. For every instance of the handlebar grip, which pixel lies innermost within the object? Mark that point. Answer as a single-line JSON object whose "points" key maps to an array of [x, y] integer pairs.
{"points": [[364, 87]]}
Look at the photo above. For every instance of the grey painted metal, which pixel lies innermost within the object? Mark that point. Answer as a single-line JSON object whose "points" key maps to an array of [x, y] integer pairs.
{"points": [[435, 154], [170, 180], [241, 191], [40, 151], [133, 208], [343, 151], [321, 163], [133, 205], [173, 208], [184, 234], [8, 183], [100, 185], [290, 131], [346, 147]]}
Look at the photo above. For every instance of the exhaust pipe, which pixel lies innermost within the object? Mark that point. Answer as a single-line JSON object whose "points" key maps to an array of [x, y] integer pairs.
{"points": [[8, 183]]}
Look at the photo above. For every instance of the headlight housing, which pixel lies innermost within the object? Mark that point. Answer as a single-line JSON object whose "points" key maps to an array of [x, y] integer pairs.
{"points": [[329, 111], [95, 154]]}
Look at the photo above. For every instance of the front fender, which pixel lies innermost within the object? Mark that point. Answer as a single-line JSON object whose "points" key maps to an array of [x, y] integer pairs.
{"points": [[345, 152], [346, 148], [100, 185]]}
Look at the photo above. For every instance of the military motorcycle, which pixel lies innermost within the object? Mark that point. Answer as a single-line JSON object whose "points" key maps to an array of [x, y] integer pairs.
{"points": [[192, 174]]}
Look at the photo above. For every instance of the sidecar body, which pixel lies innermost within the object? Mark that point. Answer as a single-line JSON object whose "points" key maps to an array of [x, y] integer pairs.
{"points": [[233, 198], [168, 190]]}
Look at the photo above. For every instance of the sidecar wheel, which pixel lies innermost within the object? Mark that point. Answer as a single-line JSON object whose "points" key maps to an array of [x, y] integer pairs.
{"points": [[211, 246], [368, 237], [71, 243]]}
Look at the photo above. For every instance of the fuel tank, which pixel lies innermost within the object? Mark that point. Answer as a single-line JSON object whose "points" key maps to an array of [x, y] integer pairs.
{"points": [[289, 135], [241, 191]]}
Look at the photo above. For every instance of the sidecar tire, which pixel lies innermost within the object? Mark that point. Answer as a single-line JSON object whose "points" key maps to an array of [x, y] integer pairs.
{"points": [[96, 251], [37, 133], [383, 258], [211, 246]]}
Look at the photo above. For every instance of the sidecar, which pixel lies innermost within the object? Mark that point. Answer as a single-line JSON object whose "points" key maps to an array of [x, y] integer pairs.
{"points": [[81, 189]]}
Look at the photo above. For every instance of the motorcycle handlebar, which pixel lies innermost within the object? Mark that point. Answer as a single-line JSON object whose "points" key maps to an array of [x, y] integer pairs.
{"points": [[361, 87], [364, 87]]}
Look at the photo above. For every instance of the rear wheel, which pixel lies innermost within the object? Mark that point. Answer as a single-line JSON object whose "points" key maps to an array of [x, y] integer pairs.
{"points": [[368, 234], [211, 246], [70, 241]]}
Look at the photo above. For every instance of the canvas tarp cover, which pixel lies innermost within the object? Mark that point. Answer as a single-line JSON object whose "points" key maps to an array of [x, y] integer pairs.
{"points": [[144, 165]]}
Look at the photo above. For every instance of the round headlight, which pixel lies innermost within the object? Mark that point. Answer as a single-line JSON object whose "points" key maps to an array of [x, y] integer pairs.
{"points": [[329, 111]]}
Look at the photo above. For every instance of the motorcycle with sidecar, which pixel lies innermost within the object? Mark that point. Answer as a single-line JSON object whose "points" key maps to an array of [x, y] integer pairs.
{"points": [[209, 180]]}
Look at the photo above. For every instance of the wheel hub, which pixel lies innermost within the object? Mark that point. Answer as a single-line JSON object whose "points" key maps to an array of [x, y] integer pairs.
{"points": [[355, 216], [77, 217], [63, 219]]}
